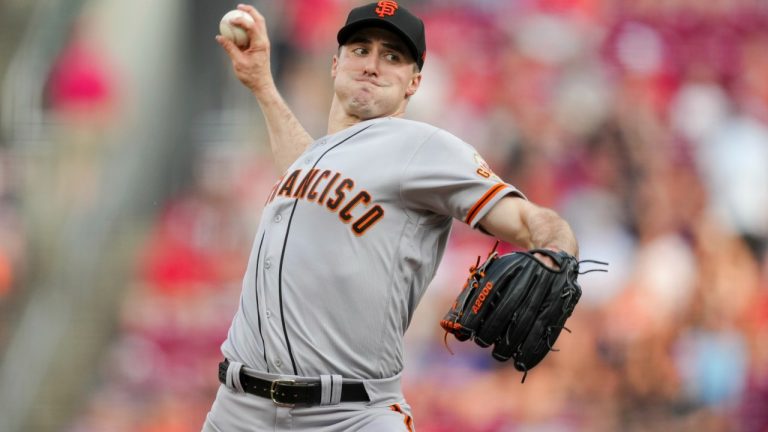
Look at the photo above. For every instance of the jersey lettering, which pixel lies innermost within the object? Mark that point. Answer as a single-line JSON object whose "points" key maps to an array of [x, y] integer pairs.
{"points": [[345, 184], [340, 196], [363, 196], [313, 192], [327, 188], [366, 221], [301, 191], [287, 188], [273, 192]]}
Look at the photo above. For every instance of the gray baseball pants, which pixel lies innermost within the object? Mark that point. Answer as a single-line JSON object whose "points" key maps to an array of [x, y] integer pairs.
{"points": [[236, 411]]}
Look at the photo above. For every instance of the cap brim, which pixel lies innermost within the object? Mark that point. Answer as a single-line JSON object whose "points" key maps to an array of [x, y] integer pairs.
{"points": [[350, 29]]}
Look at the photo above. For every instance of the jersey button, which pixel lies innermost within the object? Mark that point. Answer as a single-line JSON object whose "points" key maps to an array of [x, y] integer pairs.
{"points": [[267, 263], [278, 362], [269, 314], [277, 218]]}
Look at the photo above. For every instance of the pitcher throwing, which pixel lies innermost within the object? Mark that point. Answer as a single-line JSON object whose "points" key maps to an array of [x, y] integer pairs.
{"points": [[351, 236]]}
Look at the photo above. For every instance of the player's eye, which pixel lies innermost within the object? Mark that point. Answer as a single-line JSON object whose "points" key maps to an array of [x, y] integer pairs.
{"points": [[359, 51], [392, 57]]}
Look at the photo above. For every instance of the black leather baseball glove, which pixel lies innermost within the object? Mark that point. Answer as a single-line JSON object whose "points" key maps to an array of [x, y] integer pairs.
{"points": [[517, 304]]}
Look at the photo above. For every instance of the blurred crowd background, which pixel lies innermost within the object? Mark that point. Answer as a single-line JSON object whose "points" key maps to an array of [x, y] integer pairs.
{"points": [[134, 166]]}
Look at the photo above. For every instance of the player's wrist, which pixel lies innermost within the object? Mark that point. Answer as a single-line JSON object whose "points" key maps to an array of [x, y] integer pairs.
{"points": [[264, 89]]}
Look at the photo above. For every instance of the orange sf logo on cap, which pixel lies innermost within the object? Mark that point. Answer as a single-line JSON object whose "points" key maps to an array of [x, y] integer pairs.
{"points": [[386, 8]]}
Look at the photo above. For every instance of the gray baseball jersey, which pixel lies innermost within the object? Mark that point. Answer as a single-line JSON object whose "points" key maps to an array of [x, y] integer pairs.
{"points": [[349, 239]]}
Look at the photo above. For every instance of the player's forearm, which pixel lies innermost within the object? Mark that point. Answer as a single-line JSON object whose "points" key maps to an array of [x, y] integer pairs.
{"points": [[251, 65], [548, 230], [520, 222], [287, 137]]}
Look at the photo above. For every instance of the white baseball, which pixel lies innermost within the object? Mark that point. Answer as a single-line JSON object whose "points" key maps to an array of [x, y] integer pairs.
{"points": [[233, 32]]}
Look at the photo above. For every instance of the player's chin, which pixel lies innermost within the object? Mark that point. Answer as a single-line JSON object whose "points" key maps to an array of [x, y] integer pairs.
{"points": [[363, 108], [367, 108]]}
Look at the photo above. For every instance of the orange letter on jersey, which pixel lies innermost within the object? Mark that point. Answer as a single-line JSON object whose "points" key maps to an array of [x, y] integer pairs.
{"points": [[366, 221], [312, 192], [287, 188], [347, 184], [363, 196]]}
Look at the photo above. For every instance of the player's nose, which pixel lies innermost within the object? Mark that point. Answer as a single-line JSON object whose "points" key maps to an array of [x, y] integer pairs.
{"points": [[371, 65]]}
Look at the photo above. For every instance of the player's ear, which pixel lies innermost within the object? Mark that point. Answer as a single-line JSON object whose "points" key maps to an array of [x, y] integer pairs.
{"points": [[334, 65], [413, 85]]}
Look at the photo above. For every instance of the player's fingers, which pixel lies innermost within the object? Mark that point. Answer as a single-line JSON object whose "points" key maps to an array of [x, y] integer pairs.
{"points": [[547, 261], [252, 11], [232, 50], [257, 31]]}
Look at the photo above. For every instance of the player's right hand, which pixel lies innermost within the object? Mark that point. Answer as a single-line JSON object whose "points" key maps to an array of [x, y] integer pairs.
{"points": [[251, 65]]}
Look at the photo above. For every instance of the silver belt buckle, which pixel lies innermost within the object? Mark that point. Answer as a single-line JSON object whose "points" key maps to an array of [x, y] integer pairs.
{"points": [[272, 390]]}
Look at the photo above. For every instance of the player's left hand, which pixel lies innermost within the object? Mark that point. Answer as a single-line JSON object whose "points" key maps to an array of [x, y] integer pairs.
{"points": [[518, 303], [548, 260]]}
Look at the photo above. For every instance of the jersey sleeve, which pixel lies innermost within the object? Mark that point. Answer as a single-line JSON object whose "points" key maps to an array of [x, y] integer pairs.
{"points": [[447, 176]]}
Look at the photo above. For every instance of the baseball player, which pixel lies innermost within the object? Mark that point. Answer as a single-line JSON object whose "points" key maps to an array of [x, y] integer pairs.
{"points": [[351, 236]]}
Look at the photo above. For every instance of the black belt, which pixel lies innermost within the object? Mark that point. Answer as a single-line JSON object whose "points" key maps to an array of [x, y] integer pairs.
{"points": [[288, 392]]}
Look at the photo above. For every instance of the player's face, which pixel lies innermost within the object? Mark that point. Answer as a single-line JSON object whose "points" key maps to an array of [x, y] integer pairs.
{"points": [[374, 74]]}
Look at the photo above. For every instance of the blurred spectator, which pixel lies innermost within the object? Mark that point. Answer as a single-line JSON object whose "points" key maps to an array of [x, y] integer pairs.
{"points": [[201, 238], [82, 98], [751, 413], [81, 84], [176, 315], [733, 161]]}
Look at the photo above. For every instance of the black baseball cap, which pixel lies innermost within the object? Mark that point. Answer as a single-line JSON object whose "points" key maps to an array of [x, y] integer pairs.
{"points": [[391, 16]]}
